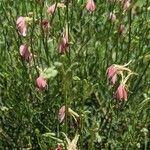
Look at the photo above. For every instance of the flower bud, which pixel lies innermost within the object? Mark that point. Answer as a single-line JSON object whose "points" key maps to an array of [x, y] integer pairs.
{"points": [[24, 52], [41, 83], [21, 26], [90, 6], [61, 114], [63, 44], [126, 4], [121, 92], [112, 17], [51, 9], [121, 29], [112, 74]]}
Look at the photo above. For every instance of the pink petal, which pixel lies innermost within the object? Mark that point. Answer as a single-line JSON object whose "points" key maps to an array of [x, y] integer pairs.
{"points": [[119, 92], [41, 83], [125, 94], [63, 44], [51, 9], [21, 26], [24, 52], [61, 114], [111, 71], [113, 79], [90, 6]]}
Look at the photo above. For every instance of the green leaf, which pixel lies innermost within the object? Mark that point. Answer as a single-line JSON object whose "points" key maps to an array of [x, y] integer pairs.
{"points": [[140, 3], [57, 64], [76, 78], [48, 134], [49, 73]]}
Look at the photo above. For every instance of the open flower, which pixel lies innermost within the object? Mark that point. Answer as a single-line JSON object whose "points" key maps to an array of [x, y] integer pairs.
{"points": [[24, 52], [112, 73], [90, 6], [41, 83], [63, 44], [21, 25], [121, 93]]}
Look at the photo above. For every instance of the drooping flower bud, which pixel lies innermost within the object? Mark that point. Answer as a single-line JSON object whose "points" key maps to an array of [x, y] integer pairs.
{"points": [[90, 6], [63, 44], [112, 73], [24, 52], [112, 17], [41, 83], [121, 29], [121, 93], [51, 9], [61, 114], [21, 25], [126, 4]]}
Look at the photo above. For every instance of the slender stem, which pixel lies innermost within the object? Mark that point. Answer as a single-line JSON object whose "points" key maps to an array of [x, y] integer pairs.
{"points": [[129, 34], [146, 142]]}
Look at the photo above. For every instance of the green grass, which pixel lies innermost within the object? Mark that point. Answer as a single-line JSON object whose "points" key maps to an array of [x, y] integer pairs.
{"points": [[29, 117]]}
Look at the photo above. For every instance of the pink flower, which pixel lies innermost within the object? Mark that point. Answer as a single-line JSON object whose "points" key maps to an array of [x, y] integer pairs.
{"points": [[21, 26], [112, 74], [126, 4], [112, 17], [24, 52], [41, 83], [59, 147], [61, 114], [63, 44], [45, 24], [51, 9], [121, 92], [121, 29], [90, 6]]}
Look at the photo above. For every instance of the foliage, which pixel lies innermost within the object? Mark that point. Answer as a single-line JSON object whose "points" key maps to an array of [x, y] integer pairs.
{"points": [[76, 78]]}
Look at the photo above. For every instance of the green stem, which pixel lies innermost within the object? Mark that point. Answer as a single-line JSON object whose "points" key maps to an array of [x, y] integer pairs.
{"points": [[129, 34], [146, 142]]}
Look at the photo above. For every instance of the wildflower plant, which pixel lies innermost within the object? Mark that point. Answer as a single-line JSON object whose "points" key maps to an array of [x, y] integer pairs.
{"points": [[74, 74]]}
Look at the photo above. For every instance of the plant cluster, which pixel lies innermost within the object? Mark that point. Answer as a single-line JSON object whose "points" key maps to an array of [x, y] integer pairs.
{"points": [[74, 74]]}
